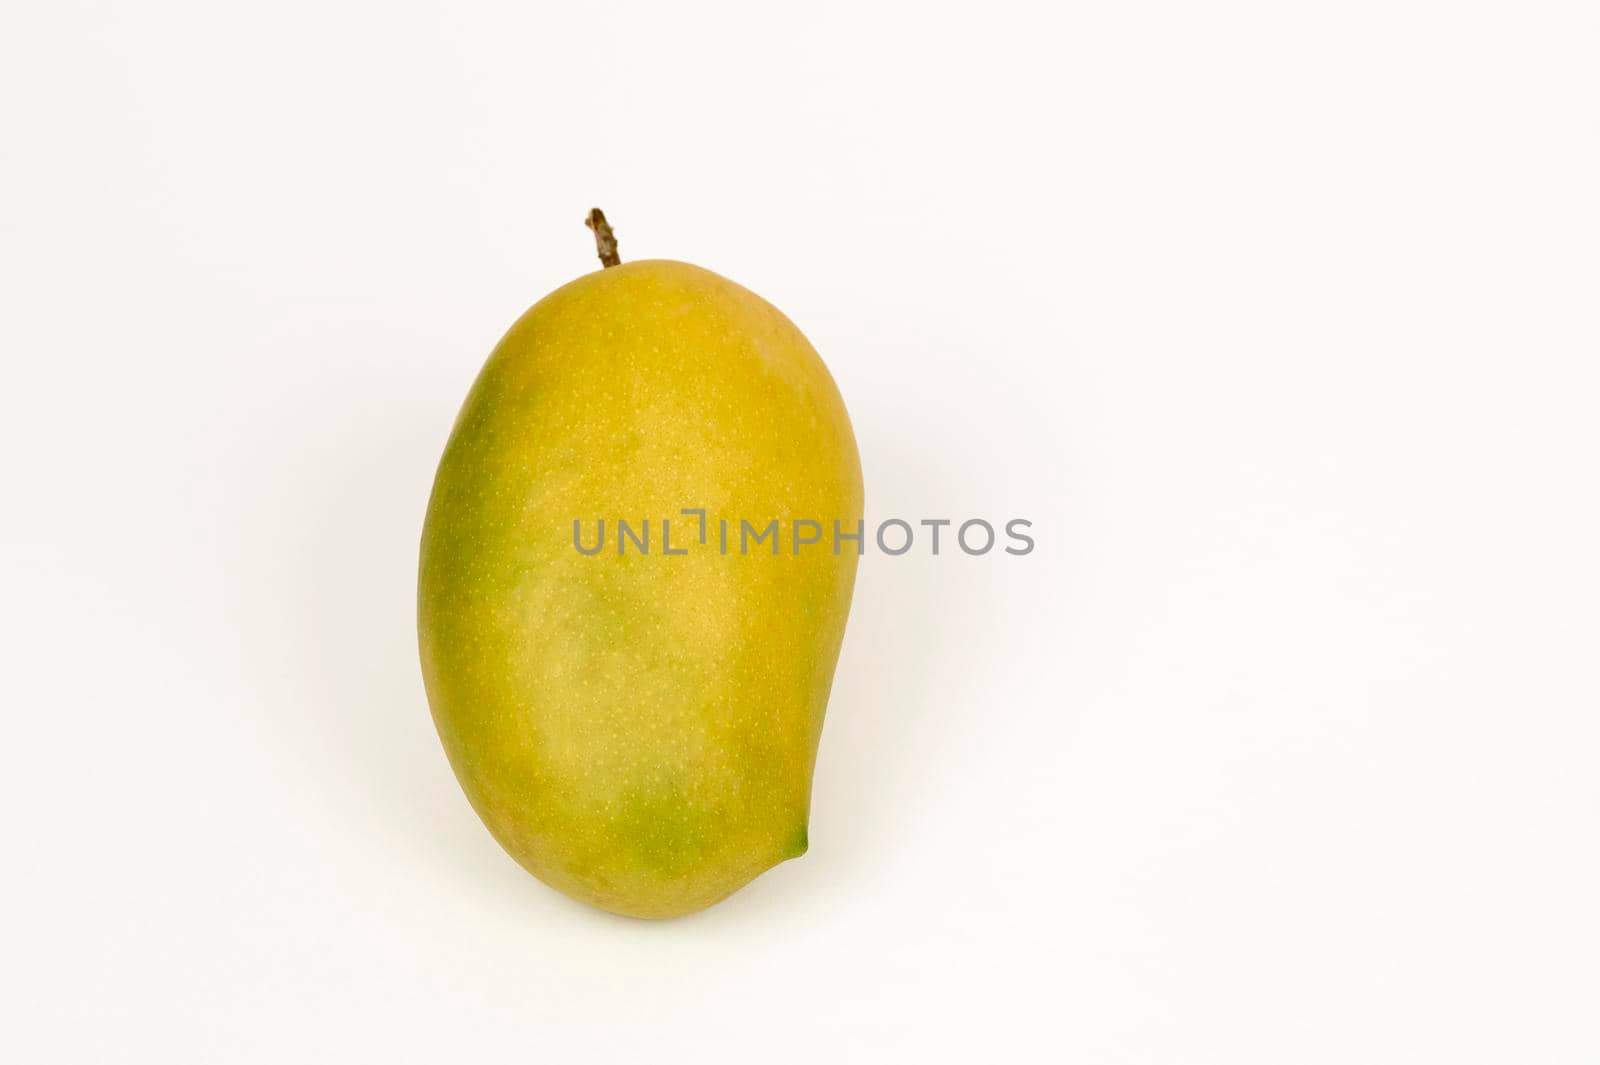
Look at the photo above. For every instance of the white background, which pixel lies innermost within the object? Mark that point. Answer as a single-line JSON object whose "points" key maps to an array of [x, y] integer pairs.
{"points": [[1279, 320]]}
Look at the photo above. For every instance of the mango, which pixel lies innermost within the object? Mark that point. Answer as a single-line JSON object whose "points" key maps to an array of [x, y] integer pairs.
{"points": [[637, 724]]}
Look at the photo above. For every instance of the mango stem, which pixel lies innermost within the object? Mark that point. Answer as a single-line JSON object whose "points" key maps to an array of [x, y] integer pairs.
{"points": [[605, 241]]}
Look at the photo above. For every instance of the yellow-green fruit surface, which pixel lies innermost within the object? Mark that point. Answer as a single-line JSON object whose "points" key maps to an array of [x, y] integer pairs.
{"points": [[639, 729]]}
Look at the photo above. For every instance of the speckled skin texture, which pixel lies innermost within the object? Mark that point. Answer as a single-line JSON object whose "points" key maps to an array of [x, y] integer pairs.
{"points": [[639, 731]]}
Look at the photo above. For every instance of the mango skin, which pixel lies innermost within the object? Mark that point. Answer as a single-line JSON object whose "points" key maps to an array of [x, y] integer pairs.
{"points": [[639, 731]]}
